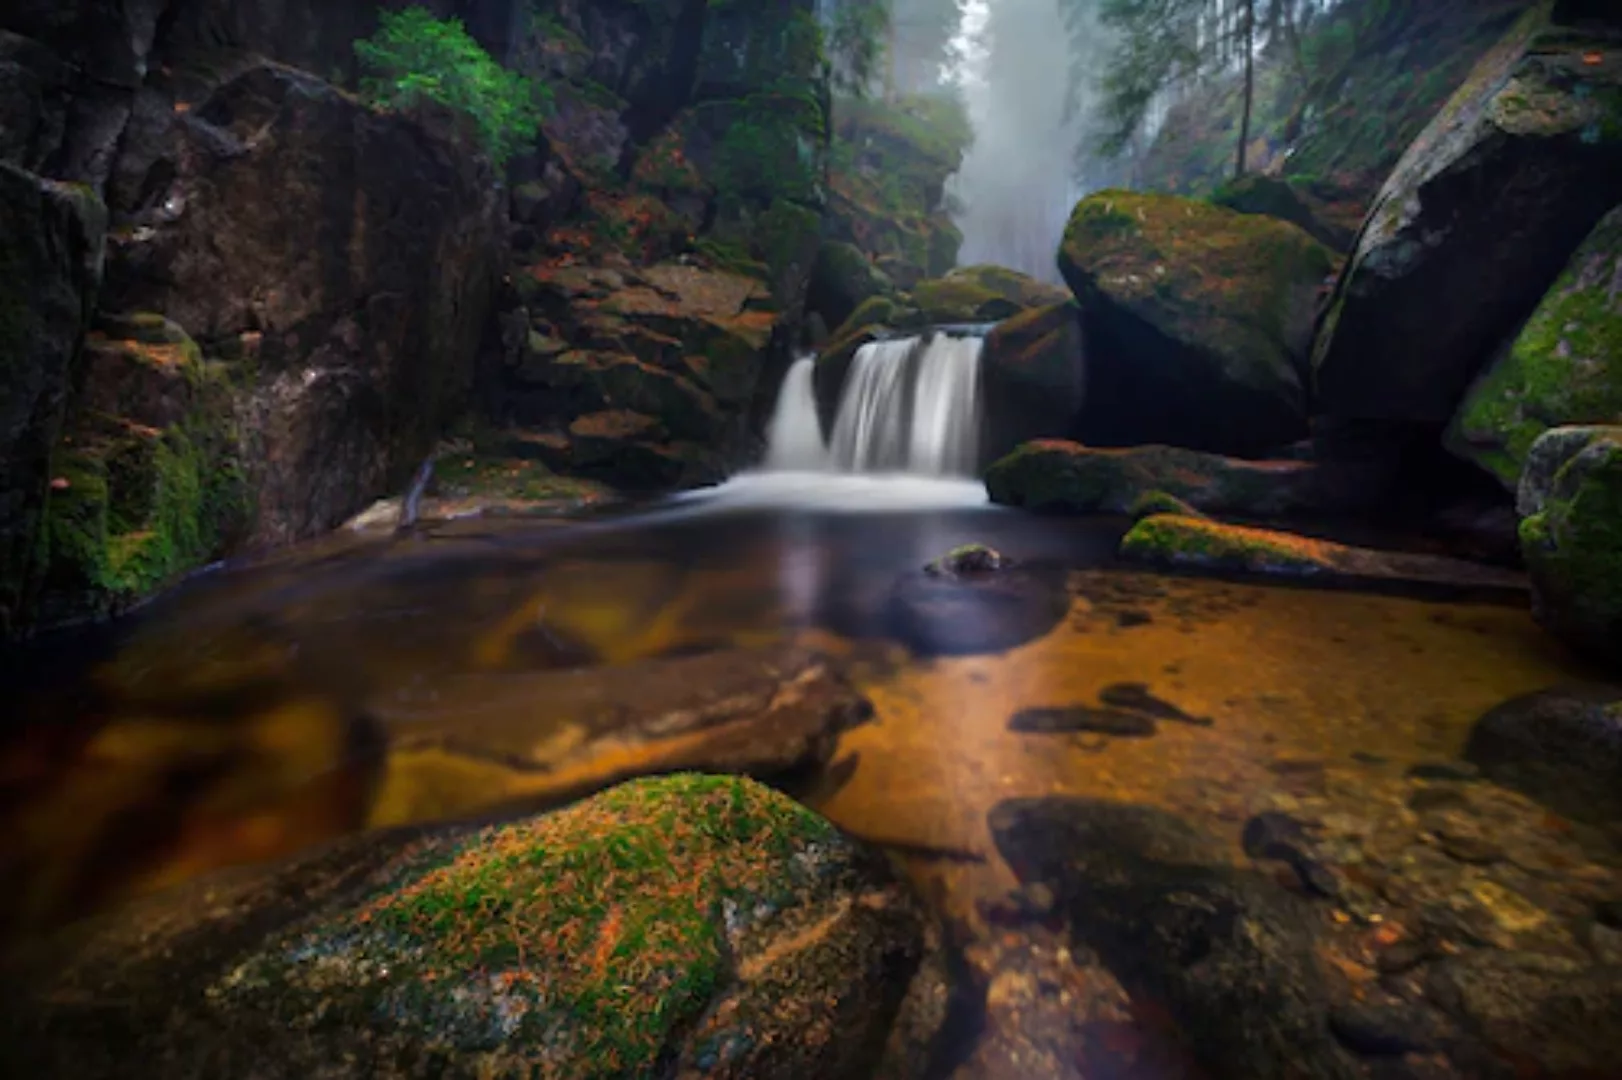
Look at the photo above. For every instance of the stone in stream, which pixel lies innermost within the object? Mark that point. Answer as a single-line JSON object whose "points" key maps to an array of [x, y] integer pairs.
{"points": [[1562, 747], [688, 925], [1230, 954], [1137, 698], [1081, 718], [961, 614]]}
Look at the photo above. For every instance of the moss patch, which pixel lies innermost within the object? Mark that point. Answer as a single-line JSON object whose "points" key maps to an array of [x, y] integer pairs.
{"points": [[1564, 368], [1171, 540], [1573, 547], [580, 944]]}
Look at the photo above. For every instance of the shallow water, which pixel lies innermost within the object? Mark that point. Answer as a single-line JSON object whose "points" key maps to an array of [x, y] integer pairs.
{"points": [[263, 708]]}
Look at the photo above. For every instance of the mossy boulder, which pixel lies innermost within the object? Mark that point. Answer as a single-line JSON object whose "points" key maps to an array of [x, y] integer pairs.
{"points": [[1280, 198], [1153, 503], [1571, 537], [50, 268], [1032, 377], [842, 280], [1476, 222], [1198, 321], [980, 294], [1188, 543], [692, 924], [1056, 475], [1563, 368]]}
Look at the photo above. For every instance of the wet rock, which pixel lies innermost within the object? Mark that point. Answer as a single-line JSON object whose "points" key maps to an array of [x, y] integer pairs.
{"points": [[1558, 371], [1081, 718], [1056, 475], [1531, 138], [1270, 833], [1287, 201], [1137, 698], [968, 560], [50, 268], [565, 733], [1199, 544], [1572, 537], [1460, 771], [981, 294], [937, 615], [1230, 954], [705, 922], [842, 280], [1201, 350], [1562, 747], [1033, 378], [1151, 503], [1385, 1029], [1543, 1013]]}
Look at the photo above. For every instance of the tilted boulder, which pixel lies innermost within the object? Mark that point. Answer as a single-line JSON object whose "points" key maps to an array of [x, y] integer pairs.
{"points": [[1476, 222]]}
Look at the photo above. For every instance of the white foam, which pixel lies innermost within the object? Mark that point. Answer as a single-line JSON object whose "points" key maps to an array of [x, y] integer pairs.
{"points": [[851, 493]]}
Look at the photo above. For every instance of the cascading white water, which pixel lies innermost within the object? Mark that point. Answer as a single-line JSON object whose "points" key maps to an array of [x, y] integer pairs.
{"points": [[795, 435], [909, 406]]}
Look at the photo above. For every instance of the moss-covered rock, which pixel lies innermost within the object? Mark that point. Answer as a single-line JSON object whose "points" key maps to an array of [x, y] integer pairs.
{"points": [[1287, 201], [1154, 503], [1187, 543], [1198, 321], [843, 279], [1055, 475], [890, 160], [1032, 377], [979, 294], [701, 925], [1476, 222], [1572, 537], [1563, 368], [50, 267]]}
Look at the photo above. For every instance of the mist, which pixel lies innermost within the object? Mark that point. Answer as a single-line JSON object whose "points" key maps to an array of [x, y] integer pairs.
{"points": [[1019, 179]]}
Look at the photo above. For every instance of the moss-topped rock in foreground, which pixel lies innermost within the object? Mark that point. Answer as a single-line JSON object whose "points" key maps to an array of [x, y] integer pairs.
{"points": [[1476, 221], [1572, 536], [1198, 317], [1201, 544], [1056, 475], [688, 925], [1564, 367]]}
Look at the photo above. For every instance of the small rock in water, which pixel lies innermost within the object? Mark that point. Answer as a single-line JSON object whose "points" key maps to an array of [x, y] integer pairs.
{"points": [[1136, 696], [968, 559], [1270, 834], [1461, 771], [1079, 718], [1314, 876], [1380, 1030]]}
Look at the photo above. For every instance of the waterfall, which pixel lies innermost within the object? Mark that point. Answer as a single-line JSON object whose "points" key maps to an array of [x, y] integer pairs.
{"points": [[908, 406]]}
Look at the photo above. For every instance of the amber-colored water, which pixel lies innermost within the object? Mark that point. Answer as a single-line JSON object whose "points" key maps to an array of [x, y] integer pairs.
{"points": [[261, 710]]}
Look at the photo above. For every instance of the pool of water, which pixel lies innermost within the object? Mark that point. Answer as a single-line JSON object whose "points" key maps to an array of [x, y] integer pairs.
{"points": [[261, 708]]}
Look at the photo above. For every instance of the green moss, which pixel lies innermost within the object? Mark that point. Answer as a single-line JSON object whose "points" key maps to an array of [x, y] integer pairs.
{"points": [[1573, 548], [599, 931], [1151, 503], [1170, 540], [1562, 369]]}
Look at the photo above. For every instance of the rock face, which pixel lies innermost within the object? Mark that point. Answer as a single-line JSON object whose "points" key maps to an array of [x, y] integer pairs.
{"points": [[50, 261], [1053, 474], [1563, 368], [381, 244], [1292, 202], [1198, 321], [699, 925], [1476, 222], [1571, 536], [1032, 378]]}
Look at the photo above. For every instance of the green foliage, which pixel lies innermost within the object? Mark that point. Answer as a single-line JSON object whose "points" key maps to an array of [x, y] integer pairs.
{"points": [[857, 43], [415, 57], [1157, 46]]}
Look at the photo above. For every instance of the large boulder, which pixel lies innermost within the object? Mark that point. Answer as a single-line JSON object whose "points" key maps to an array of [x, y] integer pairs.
{"points": [[345, 256], [1286, 200], [1475, 223], [50, 267], [1032, 378], [1571, 536], [1563, 368], [1056, 475], [979, 294], [693, 925], [1198, 319]]}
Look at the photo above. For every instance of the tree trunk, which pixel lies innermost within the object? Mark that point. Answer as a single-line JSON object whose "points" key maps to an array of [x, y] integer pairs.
{"points": [[1250, 86]]}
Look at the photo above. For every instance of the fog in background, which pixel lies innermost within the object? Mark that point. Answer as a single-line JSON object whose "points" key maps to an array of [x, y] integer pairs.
{"points": [[1019, 181]]}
